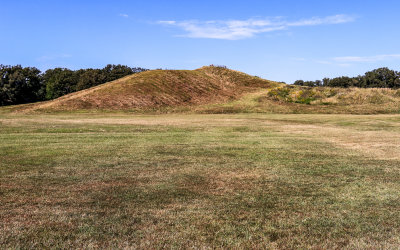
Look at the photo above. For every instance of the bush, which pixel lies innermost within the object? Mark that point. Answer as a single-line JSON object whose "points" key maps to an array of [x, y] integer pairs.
{"points": [[280, 94]]}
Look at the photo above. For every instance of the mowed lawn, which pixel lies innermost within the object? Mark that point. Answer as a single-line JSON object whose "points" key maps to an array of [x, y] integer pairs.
{"points": [[180, 181]]}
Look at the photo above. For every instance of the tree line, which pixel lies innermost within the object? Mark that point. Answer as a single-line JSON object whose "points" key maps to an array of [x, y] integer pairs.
{"points": [[378, 78], [20, 85]]}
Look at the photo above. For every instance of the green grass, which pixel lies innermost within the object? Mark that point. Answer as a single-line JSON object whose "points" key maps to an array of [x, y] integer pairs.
{"points": [[290, 99], [180, 181]]}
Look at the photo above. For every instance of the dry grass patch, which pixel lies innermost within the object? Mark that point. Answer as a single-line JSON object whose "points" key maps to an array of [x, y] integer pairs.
{"points": [[199, 181]]}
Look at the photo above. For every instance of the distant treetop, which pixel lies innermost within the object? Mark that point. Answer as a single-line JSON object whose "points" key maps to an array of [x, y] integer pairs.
{"points": [[218, 66], [378, 78]]}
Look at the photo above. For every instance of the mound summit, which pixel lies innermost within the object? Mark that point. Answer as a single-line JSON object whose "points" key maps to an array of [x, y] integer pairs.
{"points": [[159, 88]]}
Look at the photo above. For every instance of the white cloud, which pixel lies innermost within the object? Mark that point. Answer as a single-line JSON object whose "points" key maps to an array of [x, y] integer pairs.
{"points": [[377, 58], [124, 15], [348, 61], [167, 22], [240, 29], [48, 58], [298, 59], [323, 62], [337, 19]]}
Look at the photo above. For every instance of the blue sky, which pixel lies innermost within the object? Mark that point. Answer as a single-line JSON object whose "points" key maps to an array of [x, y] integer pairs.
{"points": [[279, 40]]}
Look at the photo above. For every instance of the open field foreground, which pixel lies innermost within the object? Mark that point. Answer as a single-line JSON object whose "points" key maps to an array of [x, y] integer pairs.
{"points": [[180, 180]]}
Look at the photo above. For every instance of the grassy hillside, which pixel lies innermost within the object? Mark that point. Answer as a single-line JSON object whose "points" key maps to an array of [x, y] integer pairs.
{"points": [[318, 100], [217, 90], [158, 89]]}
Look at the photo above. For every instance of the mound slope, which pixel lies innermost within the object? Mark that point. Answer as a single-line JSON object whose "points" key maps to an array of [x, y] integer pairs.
{"points": [[160, 88]]}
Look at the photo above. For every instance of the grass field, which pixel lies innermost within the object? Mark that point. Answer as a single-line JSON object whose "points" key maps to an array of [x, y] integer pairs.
{"points": [[239, 180]]}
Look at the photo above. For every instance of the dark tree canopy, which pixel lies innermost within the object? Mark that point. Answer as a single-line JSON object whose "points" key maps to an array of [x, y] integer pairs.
{"points": [[378, 78], [59, 82], [20, 85], [24, 85], [89, 78]]}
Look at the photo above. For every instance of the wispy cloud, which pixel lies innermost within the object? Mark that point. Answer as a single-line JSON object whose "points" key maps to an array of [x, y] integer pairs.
{"points": [[47, 58], [124, 15], [337, 19], [167, 22], [355, 59], [348, 61], [298, 59], [241, 29]]}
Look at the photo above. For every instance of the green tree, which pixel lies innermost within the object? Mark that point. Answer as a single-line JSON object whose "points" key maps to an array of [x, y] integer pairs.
{"points": [[325, 81], [59, 82], [299, 83], [342, 81], [381, 78], [19, 85], [114, 72], [89, 78]]}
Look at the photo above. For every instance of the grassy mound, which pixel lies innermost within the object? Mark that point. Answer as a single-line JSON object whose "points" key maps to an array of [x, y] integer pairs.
{"points": [[158, 89], [337, 96], [217, 90], [323, 100]]}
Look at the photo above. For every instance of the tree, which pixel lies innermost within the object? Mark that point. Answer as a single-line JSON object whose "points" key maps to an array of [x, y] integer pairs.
{"points": [[325, 81], [59, 82], [396, 83], [89, 78], [342, 81], [114, 72], [378, 78], [299, 83], [308, 83], [22, 85], [19, 85], [381, 78]]}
